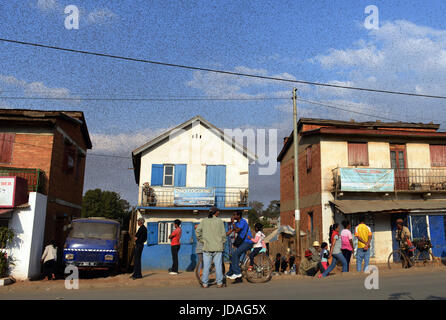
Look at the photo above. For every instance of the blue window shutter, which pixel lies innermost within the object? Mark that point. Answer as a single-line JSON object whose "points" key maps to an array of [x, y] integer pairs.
{"points": [[187, 233], [157, 175], [180, 175], [152, 233]]}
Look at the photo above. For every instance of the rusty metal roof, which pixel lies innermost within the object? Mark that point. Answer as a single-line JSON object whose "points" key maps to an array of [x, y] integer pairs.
{"points": [[364, 206]]}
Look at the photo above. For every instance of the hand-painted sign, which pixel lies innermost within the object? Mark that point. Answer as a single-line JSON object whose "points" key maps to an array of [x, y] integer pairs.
{"points": [[371, 180], [194, 196], [7, 192]]}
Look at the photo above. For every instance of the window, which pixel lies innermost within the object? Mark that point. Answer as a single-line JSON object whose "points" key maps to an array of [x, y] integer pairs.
{"points": [[310, 223], [164, 230], [6, 146], [438, 155], [308, 154], [358, 154], [78, 164], [69, 156], [168, 175]]}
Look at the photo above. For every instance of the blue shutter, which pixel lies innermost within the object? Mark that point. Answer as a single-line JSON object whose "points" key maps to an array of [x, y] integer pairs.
{"points": [[187, 233], [152, 233], [180, 175], [216, 177], [157, 175]]}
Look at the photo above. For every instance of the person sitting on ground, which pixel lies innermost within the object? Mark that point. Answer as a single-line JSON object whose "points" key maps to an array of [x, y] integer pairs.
{"points": [[308, 267], [259, 244], [291, 261], [316, 251], [283, 264], [324, 256]]}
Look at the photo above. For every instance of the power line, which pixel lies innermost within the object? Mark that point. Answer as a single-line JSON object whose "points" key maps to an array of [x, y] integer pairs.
{"points": [[142, 99], [220, 71], [343, 109]]}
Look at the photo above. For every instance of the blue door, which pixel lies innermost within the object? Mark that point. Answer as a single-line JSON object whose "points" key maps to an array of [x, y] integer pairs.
{"points": [[216, 177], [437, 225]]}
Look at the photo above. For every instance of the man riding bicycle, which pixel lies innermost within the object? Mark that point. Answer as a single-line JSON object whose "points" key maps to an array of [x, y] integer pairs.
{"points": [[403, 238]]}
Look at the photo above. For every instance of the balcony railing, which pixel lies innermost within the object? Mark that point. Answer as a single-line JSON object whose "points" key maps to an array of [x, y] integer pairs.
{"points": [[389, 180], [35, 177], [229, 197]]}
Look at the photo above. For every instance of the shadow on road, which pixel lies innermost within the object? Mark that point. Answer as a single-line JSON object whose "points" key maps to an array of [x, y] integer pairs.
{"points": [[401, 296]]}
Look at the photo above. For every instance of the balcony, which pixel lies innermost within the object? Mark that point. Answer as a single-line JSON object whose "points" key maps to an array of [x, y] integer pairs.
{"points": [[35, 177], [178, 197], [389, 180]]}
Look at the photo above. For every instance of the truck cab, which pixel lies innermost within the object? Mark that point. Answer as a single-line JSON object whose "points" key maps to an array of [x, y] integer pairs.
{"points": [[93, 243]]}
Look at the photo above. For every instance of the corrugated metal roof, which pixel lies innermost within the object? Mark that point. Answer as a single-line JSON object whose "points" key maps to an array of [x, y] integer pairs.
{"points": [[364, 206]]}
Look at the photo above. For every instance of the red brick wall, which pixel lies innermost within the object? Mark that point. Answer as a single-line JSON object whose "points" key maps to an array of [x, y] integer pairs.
{"points": [[32, 151], [309, 187]]}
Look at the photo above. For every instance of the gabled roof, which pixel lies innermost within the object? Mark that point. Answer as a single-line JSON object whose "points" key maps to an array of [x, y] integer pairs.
{"points": [[136, 154], [45, 116]]}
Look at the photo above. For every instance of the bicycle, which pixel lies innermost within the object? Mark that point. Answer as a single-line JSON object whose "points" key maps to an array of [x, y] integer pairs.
{"points": [[422, 256], [261, 272]]}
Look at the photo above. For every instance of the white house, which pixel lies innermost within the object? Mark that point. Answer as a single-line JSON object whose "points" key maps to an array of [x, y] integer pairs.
{"points": [[181, 174]]}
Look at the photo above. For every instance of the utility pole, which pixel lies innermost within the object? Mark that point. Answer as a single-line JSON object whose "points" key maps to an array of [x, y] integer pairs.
{"points": [[296, 177]]}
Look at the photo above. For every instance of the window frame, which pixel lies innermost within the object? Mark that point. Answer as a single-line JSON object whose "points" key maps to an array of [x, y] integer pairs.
{"points": [[11, 144], [309, 157], [168, 227], [164, 175], [355, 162]]}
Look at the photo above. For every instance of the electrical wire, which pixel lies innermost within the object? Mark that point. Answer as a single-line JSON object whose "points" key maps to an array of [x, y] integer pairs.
{"points": [[220, 71]]}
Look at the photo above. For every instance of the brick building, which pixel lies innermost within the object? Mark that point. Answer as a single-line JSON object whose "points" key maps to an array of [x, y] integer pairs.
{"points": [[381, 170], [49, 149]]}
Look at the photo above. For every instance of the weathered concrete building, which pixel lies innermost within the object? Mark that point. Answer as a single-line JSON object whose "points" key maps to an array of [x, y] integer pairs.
{"points": [[383, 170]]}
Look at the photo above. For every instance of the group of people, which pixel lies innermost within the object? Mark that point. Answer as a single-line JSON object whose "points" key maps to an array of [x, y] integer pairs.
{"points": [[340, 250], [212, 236]]}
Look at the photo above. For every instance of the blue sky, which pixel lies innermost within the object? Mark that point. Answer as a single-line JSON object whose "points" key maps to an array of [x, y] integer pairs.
{"points": [[322, 41]]}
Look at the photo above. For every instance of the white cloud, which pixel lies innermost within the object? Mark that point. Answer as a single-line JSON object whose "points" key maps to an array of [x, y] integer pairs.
{"points": [[36, 88]]}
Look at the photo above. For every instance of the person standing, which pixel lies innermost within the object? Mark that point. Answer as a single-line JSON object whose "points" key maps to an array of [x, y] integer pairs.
{"points": [[242, 243], [211, 231], [140, 239], [335, 251], [49, 258], [347, 242], [364, 235], [175, 237]]}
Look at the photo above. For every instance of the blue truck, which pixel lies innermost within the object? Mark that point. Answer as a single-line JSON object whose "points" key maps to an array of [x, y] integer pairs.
{"points": [[93, 244]]}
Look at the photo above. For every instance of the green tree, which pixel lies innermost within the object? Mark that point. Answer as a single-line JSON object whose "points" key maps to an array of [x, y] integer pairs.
{"points": [[255, 212], [273, 210], [107, 204]]}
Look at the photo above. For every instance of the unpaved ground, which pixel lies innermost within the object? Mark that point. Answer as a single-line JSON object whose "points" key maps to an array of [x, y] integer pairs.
{"points": [[160, 278]]}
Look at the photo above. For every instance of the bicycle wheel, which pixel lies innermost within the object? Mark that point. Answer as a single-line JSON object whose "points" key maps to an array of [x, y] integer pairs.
{"points": [[262, 270], [424, 259], [396, 258]]}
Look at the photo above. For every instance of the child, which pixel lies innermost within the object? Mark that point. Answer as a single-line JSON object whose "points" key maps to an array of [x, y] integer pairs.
{"points": [[259, 244], [324, 255]]}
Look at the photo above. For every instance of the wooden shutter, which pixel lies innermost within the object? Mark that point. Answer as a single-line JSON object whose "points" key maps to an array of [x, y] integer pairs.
{"points": [[152, 233], [6, 146], [180, 175], [438, 155], [157, 175], [358, 154], [308, 154]]}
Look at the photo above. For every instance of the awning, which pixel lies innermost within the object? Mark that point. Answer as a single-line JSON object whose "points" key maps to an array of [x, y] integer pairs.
{"points": [[365, 206], [6, 213], [274, 236]]}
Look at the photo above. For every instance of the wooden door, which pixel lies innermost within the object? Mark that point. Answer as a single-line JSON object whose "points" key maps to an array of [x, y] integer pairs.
{"points": [[399, 164]]}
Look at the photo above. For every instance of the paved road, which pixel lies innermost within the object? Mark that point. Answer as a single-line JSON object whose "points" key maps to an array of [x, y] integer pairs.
{"points": [[394, 287]]}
